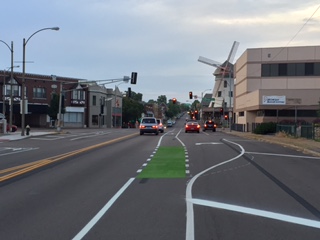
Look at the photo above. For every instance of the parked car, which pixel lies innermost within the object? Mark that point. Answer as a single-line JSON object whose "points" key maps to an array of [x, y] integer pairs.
{"points": [[149, 125], [209, 125], [160, 125], [192, 126], [169, 123]]}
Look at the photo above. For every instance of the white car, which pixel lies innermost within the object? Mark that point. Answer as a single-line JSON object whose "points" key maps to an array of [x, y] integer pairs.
{"points": [[169, 123], [149, 125]]}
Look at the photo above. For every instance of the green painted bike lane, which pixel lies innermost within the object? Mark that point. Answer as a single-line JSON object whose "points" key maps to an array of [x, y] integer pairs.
{"points": [[168, 162]]}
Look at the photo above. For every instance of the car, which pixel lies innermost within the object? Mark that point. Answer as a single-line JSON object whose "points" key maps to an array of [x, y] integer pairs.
{"points": [[209, 125], [192, 126], [160, 125], [149, 125], [169, 123]]}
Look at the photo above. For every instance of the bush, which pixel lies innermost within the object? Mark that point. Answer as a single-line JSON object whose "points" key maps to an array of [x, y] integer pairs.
{"points": [[265, 128]]}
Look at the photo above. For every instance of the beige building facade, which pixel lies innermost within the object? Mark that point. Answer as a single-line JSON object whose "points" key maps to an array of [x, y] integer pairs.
{"points": [[277, 85]]}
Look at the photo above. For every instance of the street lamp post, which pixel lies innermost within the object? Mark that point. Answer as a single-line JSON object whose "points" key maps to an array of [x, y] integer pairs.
{"points": [[23, 93], [11, 78]]}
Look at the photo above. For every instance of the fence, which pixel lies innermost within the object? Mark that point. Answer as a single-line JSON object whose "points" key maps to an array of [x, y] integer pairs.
{"points": [[305, 131]]}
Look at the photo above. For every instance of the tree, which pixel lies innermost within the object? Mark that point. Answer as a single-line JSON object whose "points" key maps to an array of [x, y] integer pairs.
{"points": [[173, 109], [132, 108], [53, 109], [162, 99]]}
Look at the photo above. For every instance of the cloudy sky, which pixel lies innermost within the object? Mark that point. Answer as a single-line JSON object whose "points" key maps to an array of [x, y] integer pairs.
{"points": [[159, 39]]}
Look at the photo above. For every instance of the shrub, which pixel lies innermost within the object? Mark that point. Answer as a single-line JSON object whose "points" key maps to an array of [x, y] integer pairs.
{"points": [[265, 128]]}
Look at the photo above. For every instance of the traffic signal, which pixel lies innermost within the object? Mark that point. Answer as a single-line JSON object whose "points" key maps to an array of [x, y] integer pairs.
{"points": [[129, 92], [221, 110], [134, 77], [174, 100], [226, 117], [190, 95]]}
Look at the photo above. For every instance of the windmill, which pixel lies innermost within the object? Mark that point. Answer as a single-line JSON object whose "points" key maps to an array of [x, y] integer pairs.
{"points": [[220, 72]]}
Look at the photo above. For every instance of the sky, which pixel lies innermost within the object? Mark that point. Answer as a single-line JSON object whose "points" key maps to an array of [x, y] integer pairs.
{"points": [[161, 40]]}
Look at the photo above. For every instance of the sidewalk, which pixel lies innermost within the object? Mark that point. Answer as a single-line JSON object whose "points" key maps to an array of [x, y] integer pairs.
{"points": [[13, 136]]}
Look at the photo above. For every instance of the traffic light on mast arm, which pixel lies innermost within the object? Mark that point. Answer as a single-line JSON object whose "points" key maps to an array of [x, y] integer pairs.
{"points": [[190, 95], [134, 77], [174, 100]]}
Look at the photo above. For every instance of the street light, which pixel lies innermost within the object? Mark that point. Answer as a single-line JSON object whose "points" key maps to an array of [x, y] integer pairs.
{"points": [[23, 77], [11, 94], [11, 77]]}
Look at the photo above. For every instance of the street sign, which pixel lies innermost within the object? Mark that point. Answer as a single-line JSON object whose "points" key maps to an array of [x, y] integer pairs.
{"points": [[210, 99]]}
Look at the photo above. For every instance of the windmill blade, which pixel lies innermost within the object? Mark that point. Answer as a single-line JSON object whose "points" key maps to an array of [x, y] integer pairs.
{"points": [[209, 62], [233, 51]]}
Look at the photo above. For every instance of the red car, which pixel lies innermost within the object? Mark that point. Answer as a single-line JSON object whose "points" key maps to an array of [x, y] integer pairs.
{"points": [[192, 126]]}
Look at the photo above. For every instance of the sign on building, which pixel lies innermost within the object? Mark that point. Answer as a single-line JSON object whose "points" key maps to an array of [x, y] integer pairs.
{"points": [[273, 100]]}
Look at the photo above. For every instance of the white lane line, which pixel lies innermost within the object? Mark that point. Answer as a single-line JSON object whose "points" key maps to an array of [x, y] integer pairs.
{"points": [[206, 143], [18, 151], [190, 213], [257, 212], [89, 136], [282, 155], [99, 215]]}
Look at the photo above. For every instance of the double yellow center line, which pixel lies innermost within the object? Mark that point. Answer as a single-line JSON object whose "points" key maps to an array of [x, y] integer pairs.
{"points": [[12, 172]]}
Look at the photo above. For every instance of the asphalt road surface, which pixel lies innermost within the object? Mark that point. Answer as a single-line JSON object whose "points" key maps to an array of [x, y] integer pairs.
{"points": [[86, 185]]}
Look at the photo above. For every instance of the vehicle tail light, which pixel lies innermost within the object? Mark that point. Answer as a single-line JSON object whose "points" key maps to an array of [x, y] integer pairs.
{"points": [[215, 125], [155, 126], [142, 126]]}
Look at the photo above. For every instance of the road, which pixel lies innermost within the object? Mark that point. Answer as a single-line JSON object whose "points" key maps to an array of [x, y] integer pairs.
{"points": [[177, 185]]}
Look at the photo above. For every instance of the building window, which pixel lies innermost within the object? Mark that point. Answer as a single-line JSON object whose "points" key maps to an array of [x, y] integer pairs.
{"points": [[225, 84], [241, 114], [219, 93], [300, 70], [94, 100], [290, 69], [39, 93], [282, 69], [78, 95], [230, 93], [309, 69]]}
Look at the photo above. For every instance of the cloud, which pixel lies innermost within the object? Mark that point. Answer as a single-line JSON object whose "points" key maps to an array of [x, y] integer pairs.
{"points": [[160, 39]]}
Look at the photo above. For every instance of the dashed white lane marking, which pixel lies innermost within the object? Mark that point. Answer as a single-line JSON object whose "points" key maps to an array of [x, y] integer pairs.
{"points": [[257, 212]]}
